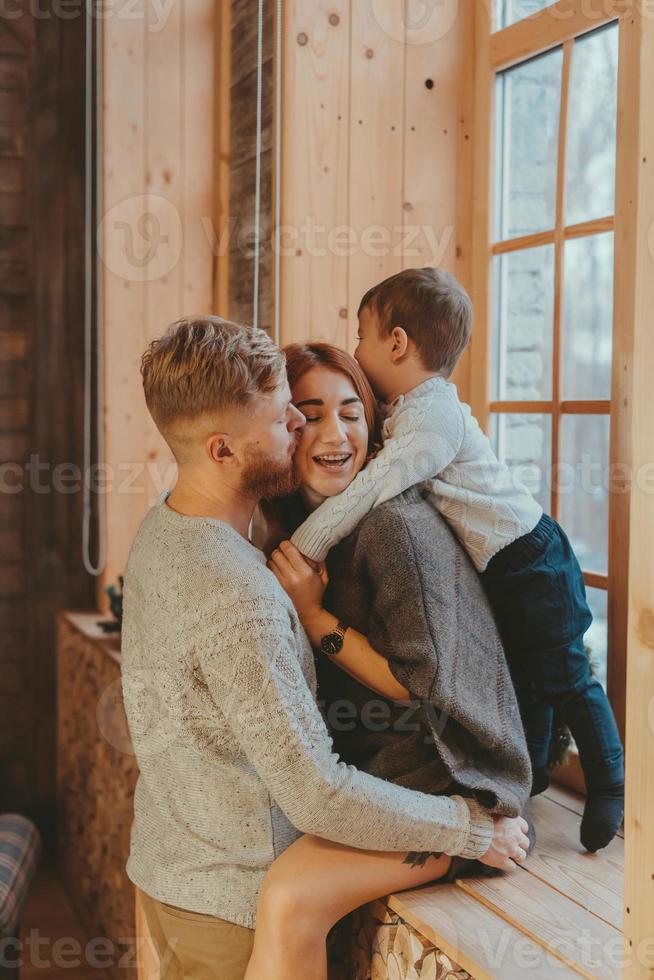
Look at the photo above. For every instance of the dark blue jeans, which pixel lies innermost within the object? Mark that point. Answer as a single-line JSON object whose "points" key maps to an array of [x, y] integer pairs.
{"points": [[537, 592]]}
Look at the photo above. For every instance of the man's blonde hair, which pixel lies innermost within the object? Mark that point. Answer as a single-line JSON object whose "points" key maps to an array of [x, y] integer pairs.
{"points": [[203, 366]]}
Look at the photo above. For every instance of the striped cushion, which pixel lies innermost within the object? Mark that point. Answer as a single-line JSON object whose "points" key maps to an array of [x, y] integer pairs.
{"points": [[20, 849]]}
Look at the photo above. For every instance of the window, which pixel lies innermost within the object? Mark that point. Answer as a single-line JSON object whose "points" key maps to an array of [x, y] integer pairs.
{"points": [[543, 381], [554, 165], [510, 11]]}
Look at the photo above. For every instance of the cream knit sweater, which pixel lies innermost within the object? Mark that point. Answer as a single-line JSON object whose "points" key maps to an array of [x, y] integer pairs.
{"points": [[430, 434], [234, 757]]}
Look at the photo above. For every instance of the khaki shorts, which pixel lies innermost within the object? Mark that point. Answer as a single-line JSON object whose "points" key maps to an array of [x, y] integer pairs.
{"points": [[192, 946]]}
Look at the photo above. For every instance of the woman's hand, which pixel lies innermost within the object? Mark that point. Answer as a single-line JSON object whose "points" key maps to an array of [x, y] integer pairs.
{"points": [[304, 581], [510, 843]]}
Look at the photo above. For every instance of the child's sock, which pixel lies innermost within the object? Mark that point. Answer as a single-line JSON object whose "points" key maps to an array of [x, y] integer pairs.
{"points": [[602, 816]]}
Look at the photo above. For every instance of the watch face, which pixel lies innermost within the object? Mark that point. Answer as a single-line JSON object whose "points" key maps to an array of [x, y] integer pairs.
{"points": [[331, 644]]}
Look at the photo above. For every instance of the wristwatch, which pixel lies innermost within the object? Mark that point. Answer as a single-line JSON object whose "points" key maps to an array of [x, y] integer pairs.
{"points": [[332, 643]]}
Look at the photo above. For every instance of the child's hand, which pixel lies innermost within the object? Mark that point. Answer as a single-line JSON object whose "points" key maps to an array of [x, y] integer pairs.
{"points": [[304, 581]]}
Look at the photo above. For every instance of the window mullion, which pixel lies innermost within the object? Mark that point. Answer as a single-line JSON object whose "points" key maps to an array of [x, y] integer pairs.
{"points": [[559, 239]]}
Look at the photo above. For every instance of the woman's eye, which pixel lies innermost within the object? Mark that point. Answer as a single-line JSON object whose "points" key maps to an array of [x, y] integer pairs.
{"points": [[312, 418], [351, 418]]}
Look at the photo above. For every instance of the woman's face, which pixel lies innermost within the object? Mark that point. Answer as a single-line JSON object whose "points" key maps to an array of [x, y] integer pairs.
{"points": [[334, 440]]}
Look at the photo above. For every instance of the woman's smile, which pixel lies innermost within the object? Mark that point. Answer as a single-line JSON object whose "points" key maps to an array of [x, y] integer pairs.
{"points": [[333, 461]]}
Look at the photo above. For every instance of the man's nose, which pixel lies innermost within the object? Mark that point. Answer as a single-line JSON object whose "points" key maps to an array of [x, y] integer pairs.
{"points": [[296, 420]]}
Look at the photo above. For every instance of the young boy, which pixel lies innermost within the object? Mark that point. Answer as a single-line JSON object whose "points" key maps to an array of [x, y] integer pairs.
{"points": [[413, 328]]}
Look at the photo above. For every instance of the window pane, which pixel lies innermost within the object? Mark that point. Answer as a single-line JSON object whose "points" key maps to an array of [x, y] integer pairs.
{"points": [[523, 309], [596, 638], [527, 105], [588, 317], [583, 487], [510, 11], [591, 126], [524, 443]]}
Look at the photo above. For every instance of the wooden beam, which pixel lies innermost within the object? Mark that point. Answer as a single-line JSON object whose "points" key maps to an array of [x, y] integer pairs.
{"points": [[464, 173], [594, 227], [523, 241], [581, 230], [481, 208], [544, 407], [551, 27], [620, 462], [559, 272], [636, 293], [596, 580], [586, 406]]}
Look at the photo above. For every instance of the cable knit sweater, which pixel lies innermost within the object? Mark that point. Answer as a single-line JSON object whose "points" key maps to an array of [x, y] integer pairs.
{"points": [[430, 434], [235, 760]]}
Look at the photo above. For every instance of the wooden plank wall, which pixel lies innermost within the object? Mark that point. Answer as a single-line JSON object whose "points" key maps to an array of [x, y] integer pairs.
{"points": [[41, 409], [16, 350], [156, 234], [377, 155], [375, 146]]}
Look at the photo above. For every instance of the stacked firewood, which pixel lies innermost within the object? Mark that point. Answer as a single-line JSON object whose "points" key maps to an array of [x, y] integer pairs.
{"points": [[374, 943]]}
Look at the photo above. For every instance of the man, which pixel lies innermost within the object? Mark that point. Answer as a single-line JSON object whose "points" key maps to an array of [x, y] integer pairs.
{"points": [[218, 676]]}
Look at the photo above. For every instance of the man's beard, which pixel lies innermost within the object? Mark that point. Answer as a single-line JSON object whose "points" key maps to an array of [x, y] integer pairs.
{"points": [[266, 476]]}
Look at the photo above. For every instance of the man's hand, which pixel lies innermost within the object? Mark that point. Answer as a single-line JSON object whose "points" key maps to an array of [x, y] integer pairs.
{"points": [[509, 843], [304, 581]]}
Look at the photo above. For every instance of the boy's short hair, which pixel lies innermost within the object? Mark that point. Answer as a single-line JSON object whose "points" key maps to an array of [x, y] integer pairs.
{"points": [[203, 365], [434, 310]]}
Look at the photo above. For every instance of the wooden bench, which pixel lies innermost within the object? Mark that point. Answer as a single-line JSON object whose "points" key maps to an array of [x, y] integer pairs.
{"points": [[557, 916]]}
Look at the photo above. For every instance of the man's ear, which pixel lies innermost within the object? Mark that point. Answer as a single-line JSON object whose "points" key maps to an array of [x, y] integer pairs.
{"points": [[399, 344], [218, 448]]}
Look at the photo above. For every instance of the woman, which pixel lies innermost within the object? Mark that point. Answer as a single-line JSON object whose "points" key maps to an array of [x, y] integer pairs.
{"points": [[415, 632]]}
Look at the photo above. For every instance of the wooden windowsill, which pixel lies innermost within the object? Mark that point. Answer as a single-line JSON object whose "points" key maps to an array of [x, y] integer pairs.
{"points": [[532, 920]]}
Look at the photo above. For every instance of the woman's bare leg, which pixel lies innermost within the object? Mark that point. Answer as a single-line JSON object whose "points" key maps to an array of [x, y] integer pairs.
{"points": [[312, 885]]}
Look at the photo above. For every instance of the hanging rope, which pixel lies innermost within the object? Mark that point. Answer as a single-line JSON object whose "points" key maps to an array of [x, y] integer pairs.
{"points": [[92, 175], [257, 176], [278, 174]]}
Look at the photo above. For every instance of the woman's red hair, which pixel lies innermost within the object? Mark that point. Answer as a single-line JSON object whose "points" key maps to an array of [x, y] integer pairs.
{"points": [[301, 358]]}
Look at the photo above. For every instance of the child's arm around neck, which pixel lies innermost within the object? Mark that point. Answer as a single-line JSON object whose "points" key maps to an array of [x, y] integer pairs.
{"points": [[423, 436]]}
